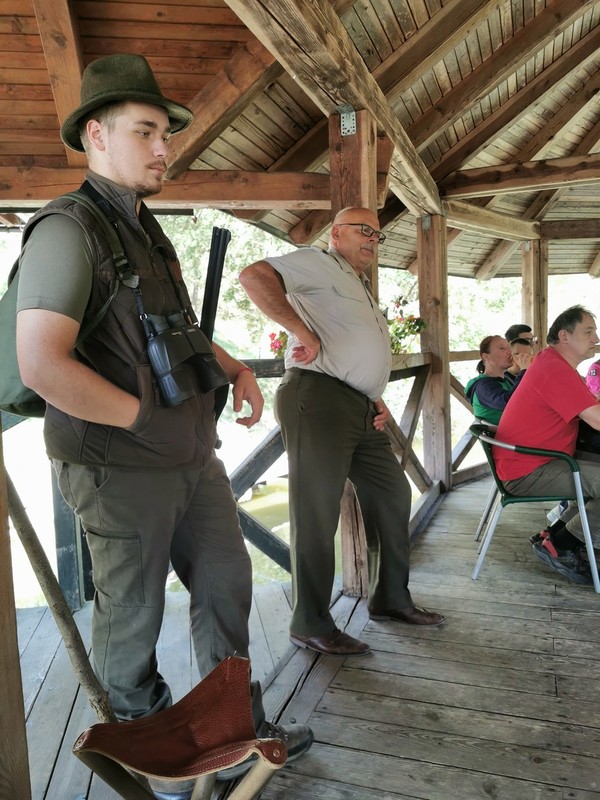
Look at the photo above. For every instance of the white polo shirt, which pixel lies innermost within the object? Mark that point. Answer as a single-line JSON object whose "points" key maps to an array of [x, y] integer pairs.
{"points": [[337, 305]]}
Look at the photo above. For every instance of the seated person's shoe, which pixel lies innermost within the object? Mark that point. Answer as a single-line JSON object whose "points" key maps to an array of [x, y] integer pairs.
{"points": [[336, 643], [569, 563], [413, 615], [297, 739]]}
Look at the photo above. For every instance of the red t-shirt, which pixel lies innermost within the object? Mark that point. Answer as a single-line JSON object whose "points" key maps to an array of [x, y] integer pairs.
{"points": [[542, 412]]}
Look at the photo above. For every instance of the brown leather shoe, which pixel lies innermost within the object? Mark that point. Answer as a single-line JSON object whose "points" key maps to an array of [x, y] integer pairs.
{"points": [[336, 643], [413, 615]]}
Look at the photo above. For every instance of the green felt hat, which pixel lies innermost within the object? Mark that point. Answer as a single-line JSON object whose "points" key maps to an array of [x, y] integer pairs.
{"points": [[116, 78]]}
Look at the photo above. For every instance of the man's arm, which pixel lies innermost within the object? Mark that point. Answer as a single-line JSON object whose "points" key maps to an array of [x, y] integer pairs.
{"points": [[265, 287], [45, 342], [245, 386], [591, 415]]}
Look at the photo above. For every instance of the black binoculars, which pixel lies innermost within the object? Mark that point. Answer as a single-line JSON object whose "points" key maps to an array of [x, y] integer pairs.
{"points": [[172, 343]]}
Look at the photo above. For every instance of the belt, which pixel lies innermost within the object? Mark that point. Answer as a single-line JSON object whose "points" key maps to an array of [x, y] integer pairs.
{"points": [[300, 371]]}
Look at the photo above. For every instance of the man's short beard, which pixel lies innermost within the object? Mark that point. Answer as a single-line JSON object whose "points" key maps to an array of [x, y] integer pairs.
{"points": [[146, 191]]}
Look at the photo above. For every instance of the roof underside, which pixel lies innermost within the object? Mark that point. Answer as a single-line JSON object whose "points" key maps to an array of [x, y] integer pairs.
{"points": [[472, 83]]}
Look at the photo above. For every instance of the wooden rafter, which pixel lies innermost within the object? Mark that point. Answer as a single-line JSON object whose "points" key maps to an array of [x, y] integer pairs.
{"points": [[251, 69], [406, 65], [522, 177], [195, 189], [60, 40], [316, 50], [536, 210], [532, 38], [489, 223], [570, 229], [518, 105]]}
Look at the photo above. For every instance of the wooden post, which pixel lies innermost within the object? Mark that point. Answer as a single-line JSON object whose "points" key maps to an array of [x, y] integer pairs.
{"points": [[353, 169], [534, 296], [433, 301], [14, 764], [355, 570]]}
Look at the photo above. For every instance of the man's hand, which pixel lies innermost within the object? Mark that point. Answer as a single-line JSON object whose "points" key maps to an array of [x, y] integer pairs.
{"points": [[522, 360], [246, 388], [308, 349], [382, 416]]}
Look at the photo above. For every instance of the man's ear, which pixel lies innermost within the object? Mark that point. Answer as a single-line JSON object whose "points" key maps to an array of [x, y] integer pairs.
{"points": [[563, 335], [95, 132]]}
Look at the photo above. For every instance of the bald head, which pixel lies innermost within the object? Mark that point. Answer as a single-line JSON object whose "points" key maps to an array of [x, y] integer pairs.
{"points": [[355, 235]]}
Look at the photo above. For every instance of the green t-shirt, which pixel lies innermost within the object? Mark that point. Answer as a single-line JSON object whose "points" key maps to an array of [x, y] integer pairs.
{"points": [[57, 266]]}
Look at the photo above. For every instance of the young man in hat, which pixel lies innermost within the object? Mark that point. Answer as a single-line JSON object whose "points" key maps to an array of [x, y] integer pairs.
{"points": [[139, 469]]}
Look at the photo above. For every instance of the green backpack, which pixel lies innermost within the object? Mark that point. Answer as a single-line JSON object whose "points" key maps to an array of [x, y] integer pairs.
{"points": [[15, 397]]}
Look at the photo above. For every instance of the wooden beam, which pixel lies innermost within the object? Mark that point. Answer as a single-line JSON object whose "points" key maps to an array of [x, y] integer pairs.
{"points": [[433, 304], [489, 223], [541, 141], [534, 148], [534, 292], [536, 210], [413, 59], [251, 69], [14, 766], [314, 224], [57, 23], [514, 108], [525, 176], [353, 169], [594, 270], [570, 229], [196, 189], [224, 97], [428, 45], [11, 220], [519, 48], [315, 48], [310, 227]]}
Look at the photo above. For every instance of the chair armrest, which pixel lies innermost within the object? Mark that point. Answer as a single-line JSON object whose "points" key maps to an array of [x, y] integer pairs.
{"points": [[533, 451]]}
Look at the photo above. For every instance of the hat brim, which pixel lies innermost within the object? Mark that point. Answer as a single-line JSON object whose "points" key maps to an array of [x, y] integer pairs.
{"points": [[180, 116]]}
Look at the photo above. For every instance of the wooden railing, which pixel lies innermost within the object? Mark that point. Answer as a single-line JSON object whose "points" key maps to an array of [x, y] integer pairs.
{"points": [[74, 570]]}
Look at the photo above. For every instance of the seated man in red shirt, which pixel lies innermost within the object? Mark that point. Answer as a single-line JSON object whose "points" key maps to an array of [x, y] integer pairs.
{"points": [[545, 412]]}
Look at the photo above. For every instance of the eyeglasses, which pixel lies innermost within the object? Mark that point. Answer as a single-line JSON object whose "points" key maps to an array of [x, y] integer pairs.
{"points": [[366, 230]]}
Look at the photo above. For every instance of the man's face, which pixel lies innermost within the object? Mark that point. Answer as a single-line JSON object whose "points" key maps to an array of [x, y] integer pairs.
{"points": [[134, 148], [581, 344], [350, 242], [519, 348]]}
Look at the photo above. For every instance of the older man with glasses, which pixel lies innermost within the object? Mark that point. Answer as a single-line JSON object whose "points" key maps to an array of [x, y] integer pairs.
{"points": [[332, 416]]}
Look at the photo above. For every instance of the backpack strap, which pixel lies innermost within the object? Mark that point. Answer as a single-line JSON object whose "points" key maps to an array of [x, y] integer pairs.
{"points": [[87, 196]]}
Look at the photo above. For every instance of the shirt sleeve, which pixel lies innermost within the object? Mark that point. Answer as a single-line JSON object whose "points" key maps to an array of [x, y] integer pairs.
{"points": [[303, 271], [56, 269], [564, 390], [492, 394]]}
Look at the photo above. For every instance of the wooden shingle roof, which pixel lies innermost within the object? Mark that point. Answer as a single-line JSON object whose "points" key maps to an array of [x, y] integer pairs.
{"points": [[489, 109]]}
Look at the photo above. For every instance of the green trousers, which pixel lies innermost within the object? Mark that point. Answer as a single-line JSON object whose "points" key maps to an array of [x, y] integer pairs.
{"points": [[328, 433], [136, 522]]}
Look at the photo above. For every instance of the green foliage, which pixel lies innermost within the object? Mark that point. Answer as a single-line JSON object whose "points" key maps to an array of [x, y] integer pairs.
{"points": [[238, 319]]}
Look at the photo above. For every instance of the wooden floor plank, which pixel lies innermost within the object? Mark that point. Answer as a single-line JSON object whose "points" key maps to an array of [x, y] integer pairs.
{"points": [[537, 707], [449, 718], [500, 703], [415, 779], [462, 750]]}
